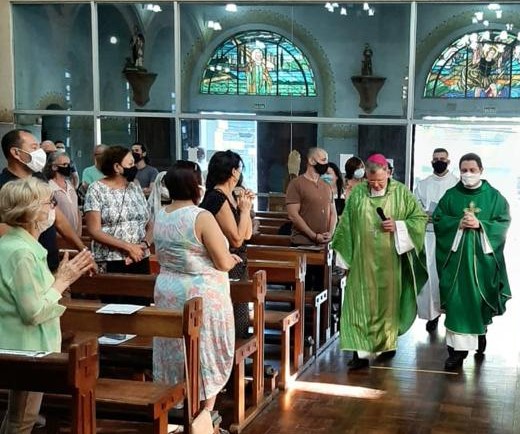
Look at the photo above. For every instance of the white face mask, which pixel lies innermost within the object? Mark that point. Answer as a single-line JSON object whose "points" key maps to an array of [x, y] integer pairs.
{"points": [[359, 173], [202, 192], [376, 193], [470, 179], [165, 194], [46, 224], [38, 159]]}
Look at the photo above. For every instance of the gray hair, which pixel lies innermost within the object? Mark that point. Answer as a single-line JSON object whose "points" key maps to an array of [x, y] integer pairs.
{"points": [[21, 201], [51, 159]]}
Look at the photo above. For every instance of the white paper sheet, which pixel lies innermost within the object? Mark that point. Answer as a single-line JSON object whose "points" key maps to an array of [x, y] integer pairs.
{"points": [[25, 353], [107, 340], [122, 309]]}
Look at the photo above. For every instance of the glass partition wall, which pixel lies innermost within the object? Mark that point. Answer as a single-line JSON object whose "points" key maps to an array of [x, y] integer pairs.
{"points": [[190, 78]]}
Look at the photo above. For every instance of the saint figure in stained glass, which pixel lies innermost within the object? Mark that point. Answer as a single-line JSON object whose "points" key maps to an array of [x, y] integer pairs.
{"points": [[477, 65]]}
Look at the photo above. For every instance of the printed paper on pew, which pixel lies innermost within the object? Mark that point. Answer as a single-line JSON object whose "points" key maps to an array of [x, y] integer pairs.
{"points": [[122, 309], [107, 340], [25, 353]]}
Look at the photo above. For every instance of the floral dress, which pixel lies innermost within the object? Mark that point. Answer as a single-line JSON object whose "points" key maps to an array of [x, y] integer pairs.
{"points": [[186, 272]]}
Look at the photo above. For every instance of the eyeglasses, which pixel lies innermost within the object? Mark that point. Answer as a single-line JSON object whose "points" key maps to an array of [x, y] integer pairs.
{"points": [[52, 202]]}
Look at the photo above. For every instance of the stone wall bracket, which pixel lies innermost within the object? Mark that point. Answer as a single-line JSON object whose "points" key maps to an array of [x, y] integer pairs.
{"points": [[368, 86], [141, 82]]}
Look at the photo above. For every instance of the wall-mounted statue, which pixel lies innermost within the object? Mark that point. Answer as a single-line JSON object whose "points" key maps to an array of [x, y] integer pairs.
{"points": [[366, 64], [367, 84], [137, 75]]}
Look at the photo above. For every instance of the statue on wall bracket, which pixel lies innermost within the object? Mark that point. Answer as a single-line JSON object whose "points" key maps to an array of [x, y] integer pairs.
{"points": [[367, 84], [137, 75]]}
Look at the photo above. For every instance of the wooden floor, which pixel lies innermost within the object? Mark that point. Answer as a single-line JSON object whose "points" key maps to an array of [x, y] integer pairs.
{"points": [[410, 394]]}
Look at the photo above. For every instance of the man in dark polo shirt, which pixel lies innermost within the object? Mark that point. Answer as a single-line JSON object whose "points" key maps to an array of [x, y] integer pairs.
{"points": [[25, 158]]}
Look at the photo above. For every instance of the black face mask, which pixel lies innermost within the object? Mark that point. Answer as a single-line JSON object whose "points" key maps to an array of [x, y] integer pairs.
{"points": [[439, 166], [129, 173], [321, 168], [65, 171], [137, 157]]}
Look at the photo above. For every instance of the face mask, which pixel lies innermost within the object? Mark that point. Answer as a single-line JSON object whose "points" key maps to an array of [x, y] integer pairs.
{"points": [[38, 159], [165, 194], [377, 193], [129, 173], [240, 180], [439, 166], [65, 171], [202, 190], [42, 226], [137, 157], [321, 168], [359, 173], [470, 179], [327, 178]]}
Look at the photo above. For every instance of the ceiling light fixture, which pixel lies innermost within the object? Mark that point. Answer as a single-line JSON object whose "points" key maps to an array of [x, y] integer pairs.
{"points": [[479, 15], [499, 13], [493, 6], [371, 12], [231, 7], [486, 23], [366, 6], [343, 11]]}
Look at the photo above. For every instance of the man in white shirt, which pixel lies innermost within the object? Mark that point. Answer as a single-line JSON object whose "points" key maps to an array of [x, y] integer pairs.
{"points": [[429, 191]]}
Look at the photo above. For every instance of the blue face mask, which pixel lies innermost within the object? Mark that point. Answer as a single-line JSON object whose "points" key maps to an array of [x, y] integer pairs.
{"points": [[327, 177]]}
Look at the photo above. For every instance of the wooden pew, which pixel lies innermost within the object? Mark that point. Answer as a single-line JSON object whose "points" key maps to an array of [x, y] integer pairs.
{"points": [[314, 256], [250, 291], [284, 272], [73, 374], [143, 399], [272, 214], [270, 240], [142, 286]]}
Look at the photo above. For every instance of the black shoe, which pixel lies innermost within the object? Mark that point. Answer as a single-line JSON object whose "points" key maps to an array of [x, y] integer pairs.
{"points": [[455, 360], [357, 363], [431, 325], [482, 343], [386, 355]]}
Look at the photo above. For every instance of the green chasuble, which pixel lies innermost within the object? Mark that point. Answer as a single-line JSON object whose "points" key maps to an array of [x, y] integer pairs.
{"points": [[380, 296], [473, 280]]}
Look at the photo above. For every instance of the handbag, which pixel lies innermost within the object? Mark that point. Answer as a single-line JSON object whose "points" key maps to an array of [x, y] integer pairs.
{"points": [[202, 423]]}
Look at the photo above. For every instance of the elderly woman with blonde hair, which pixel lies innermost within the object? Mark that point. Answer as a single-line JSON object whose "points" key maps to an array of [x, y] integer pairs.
{"points": [[29, 293]]}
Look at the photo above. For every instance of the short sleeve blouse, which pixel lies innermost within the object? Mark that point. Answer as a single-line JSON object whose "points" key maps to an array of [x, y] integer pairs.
{"points": [[124, 215]]}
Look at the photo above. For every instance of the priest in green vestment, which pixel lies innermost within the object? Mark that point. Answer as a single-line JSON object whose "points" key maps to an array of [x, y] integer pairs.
{"points": [[379, 239], [471, 223]]}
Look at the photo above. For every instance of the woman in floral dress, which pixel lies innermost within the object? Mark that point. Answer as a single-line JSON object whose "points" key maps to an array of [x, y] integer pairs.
{"points": [[194, 259]]}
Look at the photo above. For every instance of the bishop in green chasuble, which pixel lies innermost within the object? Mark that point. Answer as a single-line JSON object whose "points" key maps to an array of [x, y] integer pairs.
{"points": [[473, 279], [380, 295]]}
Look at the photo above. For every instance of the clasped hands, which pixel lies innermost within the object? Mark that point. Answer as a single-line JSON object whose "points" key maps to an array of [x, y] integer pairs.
{"points": [[322, 238], [469, 221]]}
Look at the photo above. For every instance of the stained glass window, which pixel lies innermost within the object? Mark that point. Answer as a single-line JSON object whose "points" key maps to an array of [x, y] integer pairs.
{"points": [[485, 64], [258, 63]]}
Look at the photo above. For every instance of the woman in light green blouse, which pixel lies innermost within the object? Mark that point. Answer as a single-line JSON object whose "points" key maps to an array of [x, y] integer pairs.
{"points": [[29, 293]]}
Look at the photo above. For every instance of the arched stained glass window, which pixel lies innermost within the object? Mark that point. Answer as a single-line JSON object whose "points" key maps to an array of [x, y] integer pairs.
{"points": [[478, 65], [258, 63]]}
